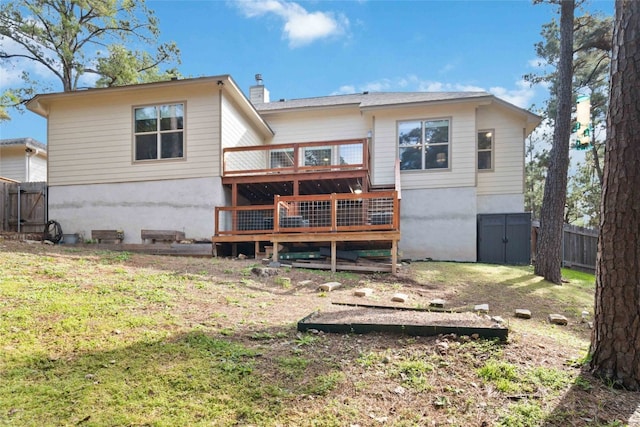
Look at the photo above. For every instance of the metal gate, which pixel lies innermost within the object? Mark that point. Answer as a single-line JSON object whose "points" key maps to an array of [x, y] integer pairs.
{"points": [[23, 207], [504, 238]]}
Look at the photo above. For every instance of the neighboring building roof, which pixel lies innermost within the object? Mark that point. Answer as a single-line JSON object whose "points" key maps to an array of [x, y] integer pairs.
{"points": [[29, 142]]}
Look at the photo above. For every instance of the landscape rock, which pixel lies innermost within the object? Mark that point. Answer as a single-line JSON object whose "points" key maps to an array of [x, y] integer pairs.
{"points": [[305, 282], [400, 297], [264, 271], [329, 286], [523, 313], [499, 320], [481, 308], [438, 303], [558, 319], [363, 292]]}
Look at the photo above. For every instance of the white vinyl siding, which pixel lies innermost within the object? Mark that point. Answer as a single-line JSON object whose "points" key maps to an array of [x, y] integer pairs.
{"points": [[313, 126], [462, 156], [90, 138], [507, 176], [12, 163], [236, 131], [37, 169]]}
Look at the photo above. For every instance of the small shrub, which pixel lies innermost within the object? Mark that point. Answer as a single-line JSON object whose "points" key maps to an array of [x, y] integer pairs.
{"points": [[284, 282]]}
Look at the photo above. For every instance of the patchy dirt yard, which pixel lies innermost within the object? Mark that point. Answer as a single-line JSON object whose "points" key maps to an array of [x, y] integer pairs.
{"points": [[535, 378]]}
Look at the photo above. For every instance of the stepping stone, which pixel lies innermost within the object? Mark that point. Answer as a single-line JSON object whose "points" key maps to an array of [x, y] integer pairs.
{"points": [[558, 319], [364, 292], [400, 297], [437, 303], [523, 313], [329, 286], [481, 308], [499, 320]]}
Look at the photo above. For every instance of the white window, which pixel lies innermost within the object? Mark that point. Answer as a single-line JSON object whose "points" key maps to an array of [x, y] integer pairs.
{"points": [[485, 149], [424, 144], [159, 132]]}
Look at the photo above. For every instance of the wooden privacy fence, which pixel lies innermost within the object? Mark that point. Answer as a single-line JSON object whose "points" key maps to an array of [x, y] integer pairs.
{"points": [[23, 207], [579, 246]]}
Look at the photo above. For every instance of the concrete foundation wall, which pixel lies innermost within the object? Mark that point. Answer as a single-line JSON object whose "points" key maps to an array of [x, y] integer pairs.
{"points": [[501, 203], [439, 224], [184, 204]]}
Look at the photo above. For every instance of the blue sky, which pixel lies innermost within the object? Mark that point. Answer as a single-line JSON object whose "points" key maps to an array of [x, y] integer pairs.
{"points": [[317, 48]]}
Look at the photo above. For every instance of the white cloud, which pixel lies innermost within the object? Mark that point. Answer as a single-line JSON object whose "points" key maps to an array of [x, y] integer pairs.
{"points": [[345, 90], [11, 71], [521, 94], [301, 27]]}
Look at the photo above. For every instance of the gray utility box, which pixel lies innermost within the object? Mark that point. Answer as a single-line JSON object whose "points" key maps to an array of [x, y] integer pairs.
{"points": [[504, 238]]}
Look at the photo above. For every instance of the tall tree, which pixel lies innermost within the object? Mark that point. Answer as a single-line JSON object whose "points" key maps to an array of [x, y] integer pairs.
{"points": [[74, 38], [591, 59], [549, 246], [616, 333]]}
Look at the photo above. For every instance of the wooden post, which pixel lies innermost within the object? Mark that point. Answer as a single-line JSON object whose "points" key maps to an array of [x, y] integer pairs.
{"points": [[275, 251], [394, 256], [334, 212], [333, 256]]}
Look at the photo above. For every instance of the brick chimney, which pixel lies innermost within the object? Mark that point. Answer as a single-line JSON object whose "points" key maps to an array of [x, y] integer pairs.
{"points": [[258, 94]]}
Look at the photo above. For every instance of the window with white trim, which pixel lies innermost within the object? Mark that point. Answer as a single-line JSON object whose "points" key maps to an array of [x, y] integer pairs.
{"points": [[424, 144], [159, 132], [485, 149]]}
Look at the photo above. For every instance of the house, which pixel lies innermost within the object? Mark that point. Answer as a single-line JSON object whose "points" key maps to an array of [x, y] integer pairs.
{"points": [[409, 171], [23, 160]]}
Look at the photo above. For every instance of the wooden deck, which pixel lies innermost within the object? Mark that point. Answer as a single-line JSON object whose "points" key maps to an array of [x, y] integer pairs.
{"points": [[305, 193]]}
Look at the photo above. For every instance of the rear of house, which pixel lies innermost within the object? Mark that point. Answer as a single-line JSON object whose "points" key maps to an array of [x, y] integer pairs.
{"points": [[145, 156], [151, 157], [457, 155]]}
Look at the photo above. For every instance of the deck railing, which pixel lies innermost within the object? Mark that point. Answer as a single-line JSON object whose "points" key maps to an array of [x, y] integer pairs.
{"points": [[296, 158], [345, 212]]}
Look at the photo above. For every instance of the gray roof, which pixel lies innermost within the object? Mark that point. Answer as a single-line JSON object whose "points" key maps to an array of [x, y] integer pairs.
{"points": [[370, 99], [24, 141]]}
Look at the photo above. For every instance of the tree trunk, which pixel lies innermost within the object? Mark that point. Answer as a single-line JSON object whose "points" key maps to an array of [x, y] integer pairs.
{"points": [[549, 246], [616, 334]]}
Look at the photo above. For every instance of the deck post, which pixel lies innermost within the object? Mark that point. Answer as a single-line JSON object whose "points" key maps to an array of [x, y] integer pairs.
{"points": [[333, 256], [275, 250], [394, 257]]}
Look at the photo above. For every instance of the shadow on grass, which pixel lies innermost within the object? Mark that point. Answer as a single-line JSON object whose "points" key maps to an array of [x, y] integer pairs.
{"points": [[185, 379], [590, 402]]}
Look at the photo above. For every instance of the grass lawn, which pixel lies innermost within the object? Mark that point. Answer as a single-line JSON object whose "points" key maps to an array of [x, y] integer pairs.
{"points": [[96, 338]]}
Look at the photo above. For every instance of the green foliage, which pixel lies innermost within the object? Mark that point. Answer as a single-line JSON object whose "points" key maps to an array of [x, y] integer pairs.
{"points": [[293, 366], [413, 373], [592, 46], [67, 37], [284, 282], [305, 339], [523, 414], [323, 384]]}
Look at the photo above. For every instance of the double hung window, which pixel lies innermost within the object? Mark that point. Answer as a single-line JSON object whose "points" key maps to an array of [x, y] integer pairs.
{"points": [[424, 144], [485, 150], [159, 132]]}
